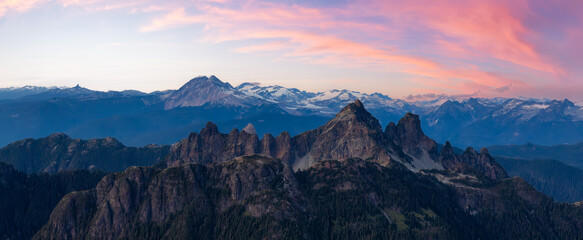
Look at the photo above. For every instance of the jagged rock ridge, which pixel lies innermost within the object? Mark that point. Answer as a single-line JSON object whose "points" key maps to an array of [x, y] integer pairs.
{"points": [[354, 132]]}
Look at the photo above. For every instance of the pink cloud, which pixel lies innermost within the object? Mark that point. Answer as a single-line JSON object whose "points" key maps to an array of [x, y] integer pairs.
{"points": [[450, 46], [18, 5], [176, 17], [327, 36]]}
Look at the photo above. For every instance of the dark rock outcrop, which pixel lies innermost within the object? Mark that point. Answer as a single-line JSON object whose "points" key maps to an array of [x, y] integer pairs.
{"points": [[408, 134], [183, 202], [471, 162], [484, 163], [213, 146]]}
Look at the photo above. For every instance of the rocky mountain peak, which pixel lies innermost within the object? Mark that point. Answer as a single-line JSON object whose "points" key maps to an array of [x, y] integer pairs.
{"points": [[410, 137], [355, 107], [470, 150], [568, 103], [210, 129], [447, 149], [58, 136], [249, 129], [411, 120], [208, 90], [234, 132], [483, 162], [206, 81], [391, 129], [355, 113]]}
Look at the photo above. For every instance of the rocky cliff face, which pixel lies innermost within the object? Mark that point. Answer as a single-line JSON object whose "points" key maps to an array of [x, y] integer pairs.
{"points": [[260, 197], [407, 134], [484, 163], [471, 162], [354, 132], [58, 152], [183, 202], [213, 146]]}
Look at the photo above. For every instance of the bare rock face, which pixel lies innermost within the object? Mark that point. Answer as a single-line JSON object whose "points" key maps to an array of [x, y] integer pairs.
{"points": [[278, 147], [450, 160], [484, 163], [77, 208], [354, 132], [471, 161], [408, 134], [249, 129], [212, 146], [179, 198], [268, 144], [283, 148]]}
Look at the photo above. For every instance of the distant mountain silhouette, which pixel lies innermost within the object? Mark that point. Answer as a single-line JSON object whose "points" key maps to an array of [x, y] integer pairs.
{"points": [[58, 152], [137, 118]]}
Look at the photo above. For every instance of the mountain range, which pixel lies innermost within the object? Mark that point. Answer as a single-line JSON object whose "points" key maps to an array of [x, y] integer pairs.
{"points": [[469, 121], [346, 179], [137, 118]]}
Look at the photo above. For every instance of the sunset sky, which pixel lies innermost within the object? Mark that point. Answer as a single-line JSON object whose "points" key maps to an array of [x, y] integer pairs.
{"points": [[399, 48]]}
